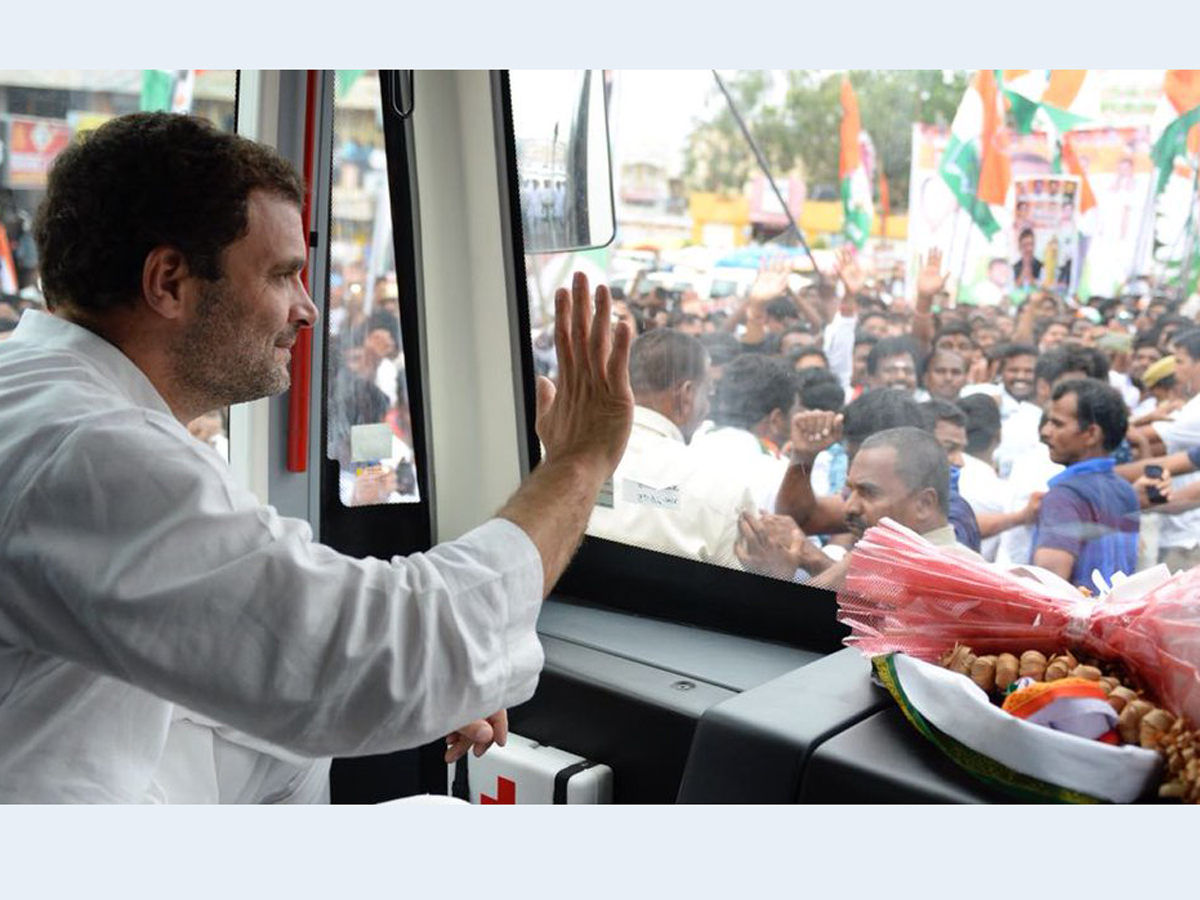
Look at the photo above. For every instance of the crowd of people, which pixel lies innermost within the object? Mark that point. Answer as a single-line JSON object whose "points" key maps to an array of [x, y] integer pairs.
{"points": [[370, 424], [769, 434]]}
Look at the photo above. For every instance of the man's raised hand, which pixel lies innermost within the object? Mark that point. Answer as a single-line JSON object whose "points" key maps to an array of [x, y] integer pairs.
{"points": [[814, 430], [931, 279], [587, 413]]}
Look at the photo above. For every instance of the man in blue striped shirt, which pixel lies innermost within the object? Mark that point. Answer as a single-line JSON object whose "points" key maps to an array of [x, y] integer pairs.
{"points": [[1089, 518]]}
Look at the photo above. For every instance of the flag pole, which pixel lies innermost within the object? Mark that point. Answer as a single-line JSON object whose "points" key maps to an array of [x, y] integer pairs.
{"points": [[962, 270]]}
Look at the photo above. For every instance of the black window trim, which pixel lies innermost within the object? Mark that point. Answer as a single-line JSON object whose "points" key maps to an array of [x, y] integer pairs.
{"points": [[390, 529]]}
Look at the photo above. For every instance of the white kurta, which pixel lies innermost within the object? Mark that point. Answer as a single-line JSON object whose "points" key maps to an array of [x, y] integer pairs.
{"points": [[665, 497], [135, 575]]}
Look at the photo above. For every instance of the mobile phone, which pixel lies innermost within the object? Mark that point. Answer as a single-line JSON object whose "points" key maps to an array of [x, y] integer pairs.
{"points": [[1153, 494]]}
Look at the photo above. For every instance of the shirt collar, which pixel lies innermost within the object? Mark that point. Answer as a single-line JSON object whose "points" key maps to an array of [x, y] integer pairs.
{"points": [[52, 333], [941, 537], [644, 417], [1099, 464]]}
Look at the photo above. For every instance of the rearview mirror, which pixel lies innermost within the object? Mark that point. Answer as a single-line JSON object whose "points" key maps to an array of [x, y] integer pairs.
{"points": [[560, 128]]}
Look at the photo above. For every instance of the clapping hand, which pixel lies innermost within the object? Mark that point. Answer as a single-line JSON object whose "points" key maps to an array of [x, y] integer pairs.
{"points": [[774, 545]]}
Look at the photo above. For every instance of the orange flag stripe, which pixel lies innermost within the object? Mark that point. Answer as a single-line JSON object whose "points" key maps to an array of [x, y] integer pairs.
{"points": [[995, 172], [1063, 87], [1182, 87], [849, 159]]}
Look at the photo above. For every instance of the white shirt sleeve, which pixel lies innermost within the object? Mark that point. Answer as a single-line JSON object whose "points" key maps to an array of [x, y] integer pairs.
{"points": [[156, 569], [839, 348], [1181, 432]]}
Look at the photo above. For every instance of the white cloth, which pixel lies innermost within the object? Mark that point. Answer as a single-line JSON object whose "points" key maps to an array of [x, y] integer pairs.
{"points": [[1181, 433], [982, 488], [386, 376], [1020, 422], [136, 575], [1144, 407], [839, 348], [1030, 473], [736, 454], [667, 498], [1123, 384]]}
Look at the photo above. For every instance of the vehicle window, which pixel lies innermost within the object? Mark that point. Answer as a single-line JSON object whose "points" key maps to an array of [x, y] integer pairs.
{"points": [[41, 112], [369, 423], [881, 325]]}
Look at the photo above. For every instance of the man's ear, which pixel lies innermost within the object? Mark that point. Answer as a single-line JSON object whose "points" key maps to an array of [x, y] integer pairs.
{"points": [[1095, 435], [928, 500], [163, 276], [685, 399]]}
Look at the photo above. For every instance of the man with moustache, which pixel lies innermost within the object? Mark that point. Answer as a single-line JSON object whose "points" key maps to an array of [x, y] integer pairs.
{"points": [[902, 474]]}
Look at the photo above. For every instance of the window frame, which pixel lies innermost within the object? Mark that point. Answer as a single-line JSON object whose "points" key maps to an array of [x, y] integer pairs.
{"points": [[645, 582], [389, 529]]}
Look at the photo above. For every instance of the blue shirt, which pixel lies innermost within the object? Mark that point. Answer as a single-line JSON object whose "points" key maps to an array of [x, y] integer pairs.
{"points": [[962, 516], [1092, 513]]}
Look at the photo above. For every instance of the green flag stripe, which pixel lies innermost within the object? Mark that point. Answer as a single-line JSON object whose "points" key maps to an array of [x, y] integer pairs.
{"points": [[960, 170], [1171, 144]]}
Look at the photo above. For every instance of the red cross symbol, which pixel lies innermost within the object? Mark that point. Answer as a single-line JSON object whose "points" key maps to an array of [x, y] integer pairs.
{"points": [[506, 792]]}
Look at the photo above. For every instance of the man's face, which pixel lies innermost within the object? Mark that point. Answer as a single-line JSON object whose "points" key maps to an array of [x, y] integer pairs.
{"points": [[811, 361], [946, 375], [793, 339], [987, 338], [237, 344], [379, 343], [1143, 358], [1054, 335], [1017, 372], [1061, 433], [1005, 326], [859, 374], [876, 326], [958, 343], [953, 439], [897, 372], [876, 491], [1187, 371], [1025, 245]]}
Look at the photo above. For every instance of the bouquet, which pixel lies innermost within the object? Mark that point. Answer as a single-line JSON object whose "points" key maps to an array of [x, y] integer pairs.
{"points": [[1137, 644]]}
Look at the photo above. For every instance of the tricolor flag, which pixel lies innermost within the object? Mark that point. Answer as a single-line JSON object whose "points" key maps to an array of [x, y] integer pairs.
{"points": [[1068, 159], [852, 170], [167, 90], [1065, 98], [1176, 121], [975, 163]]}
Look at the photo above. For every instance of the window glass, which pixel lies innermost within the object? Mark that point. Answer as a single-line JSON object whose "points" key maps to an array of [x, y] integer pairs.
{"points": [[41, 112], [952, 282], [369, 423]]}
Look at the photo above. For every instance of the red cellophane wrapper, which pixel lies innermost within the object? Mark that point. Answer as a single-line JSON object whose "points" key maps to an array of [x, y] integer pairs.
{"points": [[904, 595]]}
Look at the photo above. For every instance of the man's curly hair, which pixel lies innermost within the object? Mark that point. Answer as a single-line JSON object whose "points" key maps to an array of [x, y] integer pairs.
{"points": [[142, 181]]}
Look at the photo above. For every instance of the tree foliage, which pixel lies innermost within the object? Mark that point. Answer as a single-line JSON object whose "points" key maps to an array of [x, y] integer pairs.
{"points": [[801, 133]]}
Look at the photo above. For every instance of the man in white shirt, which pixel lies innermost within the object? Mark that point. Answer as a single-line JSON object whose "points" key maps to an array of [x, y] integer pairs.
{"points": [[752, 415], [137, 579], [1019, 416], [663, 496], [1179, 534]]}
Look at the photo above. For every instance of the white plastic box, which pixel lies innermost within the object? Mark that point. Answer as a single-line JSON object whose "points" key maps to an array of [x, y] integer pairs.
{"points": [[525, 771]]}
